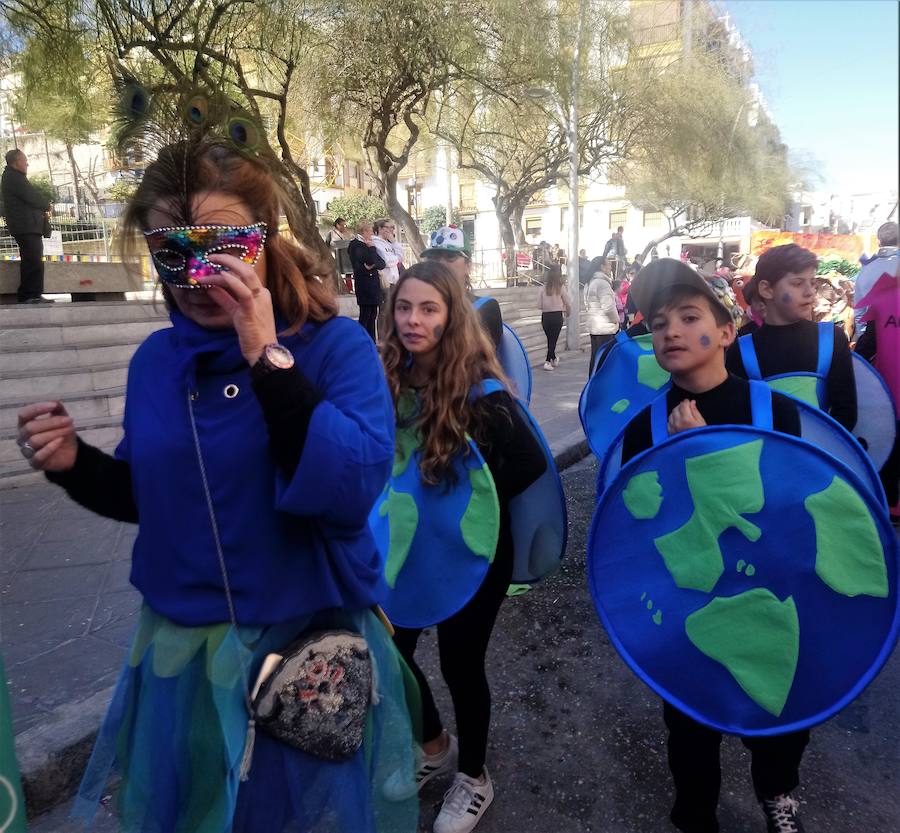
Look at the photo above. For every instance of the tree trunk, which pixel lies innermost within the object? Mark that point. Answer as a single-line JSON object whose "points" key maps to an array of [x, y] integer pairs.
{"points": [[70, 151], [518, 229], [388, 186], [653, 243], [507, 235]]}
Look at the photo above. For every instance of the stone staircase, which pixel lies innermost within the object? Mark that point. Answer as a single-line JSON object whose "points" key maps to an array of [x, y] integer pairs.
{"points": [[79, 353]]}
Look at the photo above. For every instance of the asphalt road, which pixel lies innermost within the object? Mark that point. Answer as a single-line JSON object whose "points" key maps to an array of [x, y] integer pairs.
{"points": [[577, 741]]}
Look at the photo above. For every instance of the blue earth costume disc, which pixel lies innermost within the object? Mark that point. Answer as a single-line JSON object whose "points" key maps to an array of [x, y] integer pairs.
{"points": [[876, 418], [513, 359], [876, 424], [538, 517], [755, 601], [627, 382], [437, 542], [816, 427]]}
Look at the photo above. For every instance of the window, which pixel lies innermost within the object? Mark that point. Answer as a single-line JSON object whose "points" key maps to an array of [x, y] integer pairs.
{"points": [[617, 218], [467, 195], [654, 218], [413, 200], [354, 175], [533, 226], [564, 218]]}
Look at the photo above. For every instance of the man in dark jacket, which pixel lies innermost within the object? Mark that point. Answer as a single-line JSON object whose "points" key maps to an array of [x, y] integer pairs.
{"points": [[25, 208]]}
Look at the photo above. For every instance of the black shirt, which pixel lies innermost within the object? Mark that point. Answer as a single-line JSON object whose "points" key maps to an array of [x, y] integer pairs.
{"points": [[726, 404], [794, 348]]}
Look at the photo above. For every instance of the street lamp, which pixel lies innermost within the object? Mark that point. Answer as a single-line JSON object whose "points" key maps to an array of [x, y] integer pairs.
{"points": [[570, 122]]}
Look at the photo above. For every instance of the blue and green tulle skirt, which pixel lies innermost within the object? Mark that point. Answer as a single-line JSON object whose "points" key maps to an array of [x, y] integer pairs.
{"points": [[177, 724]]}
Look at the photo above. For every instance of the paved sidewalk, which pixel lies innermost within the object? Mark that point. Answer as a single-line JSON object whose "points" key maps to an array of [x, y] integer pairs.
{"points": [[67, 610]]}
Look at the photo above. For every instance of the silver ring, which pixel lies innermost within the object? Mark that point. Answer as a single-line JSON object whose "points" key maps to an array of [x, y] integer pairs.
{"points": [[27, 450]]}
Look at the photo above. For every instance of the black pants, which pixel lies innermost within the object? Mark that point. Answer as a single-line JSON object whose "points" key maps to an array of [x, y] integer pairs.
{"points": [[596, 343], [368, 314], [31, 250], [462, 644], [694, 764], [552, 323]]}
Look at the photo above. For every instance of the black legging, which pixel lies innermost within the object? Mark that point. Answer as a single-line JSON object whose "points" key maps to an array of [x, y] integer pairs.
{"points": [[462, 643], [552, 323], [694, 764], [31, 267], [368, 313], [596, 343]]}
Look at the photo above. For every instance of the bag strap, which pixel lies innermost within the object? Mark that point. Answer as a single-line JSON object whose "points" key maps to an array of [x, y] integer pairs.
{"points": [[659, 416], [761, 405], [748, 357], [251, 724], [826, 349]]}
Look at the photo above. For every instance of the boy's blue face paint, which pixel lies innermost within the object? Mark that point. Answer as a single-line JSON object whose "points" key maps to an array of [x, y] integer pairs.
{"points": [[786, 298], [704, 341]]}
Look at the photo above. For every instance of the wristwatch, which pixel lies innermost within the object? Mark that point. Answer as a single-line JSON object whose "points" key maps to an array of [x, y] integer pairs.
{"points": [[274, 357]]}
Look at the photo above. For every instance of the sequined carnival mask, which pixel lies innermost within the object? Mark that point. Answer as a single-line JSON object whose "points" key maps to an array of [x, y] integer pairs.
{"points": [[181, 253]]}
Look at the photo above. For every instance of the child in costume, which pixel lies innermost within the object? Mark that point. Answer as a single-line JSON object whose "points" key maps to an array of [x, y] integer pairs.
{"points": [[436, 358], [789, 352], [258, 434], [691, 330], [447, 245]]}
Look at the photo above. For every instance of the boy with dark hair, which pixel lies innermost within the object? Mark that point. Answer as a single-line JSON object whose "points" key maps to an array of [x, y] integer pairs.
{"points": [[788, 345], [691, 330]]}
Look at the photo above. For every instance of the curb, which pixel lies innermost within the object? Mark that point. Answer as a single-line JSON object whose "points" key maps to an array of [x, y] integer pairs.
{"points": [[53, 756]]}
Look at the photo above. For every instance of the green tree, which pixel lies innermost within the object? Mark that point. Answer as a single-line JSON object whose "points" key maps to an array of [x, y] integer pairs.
{"points": [[710, 153], [433, 218], [354, 209], [62, 92]]}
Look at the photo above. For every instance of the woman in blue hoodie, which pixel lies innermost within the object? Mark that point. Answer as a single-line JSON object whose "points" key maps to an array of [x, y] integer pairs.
{"points": [[258, 433]]}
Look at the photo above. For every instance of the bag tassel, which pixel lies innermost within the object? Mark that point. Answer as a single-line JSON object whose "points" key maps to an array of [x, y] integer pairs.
{"points": [[247, 760]]}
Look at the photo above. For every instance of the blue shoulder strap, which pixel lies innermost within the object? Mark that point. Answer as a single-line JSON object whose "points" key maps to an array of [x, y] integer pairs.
{"points": [[761, 405], [485, 388], [760, 410], [659, 417], [748, 357], [480, 302], [826, 348]]}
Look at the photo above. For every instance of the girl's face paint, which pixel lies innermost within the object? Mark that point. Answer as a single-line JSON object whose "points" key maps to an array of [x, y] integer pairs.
{"points": [[438, 332], [786, 298]]}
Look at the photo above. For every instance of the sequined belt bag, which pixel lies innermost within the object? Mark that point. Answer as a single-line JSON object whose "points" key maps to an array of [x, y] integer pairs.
{"points": [[315, 696]]}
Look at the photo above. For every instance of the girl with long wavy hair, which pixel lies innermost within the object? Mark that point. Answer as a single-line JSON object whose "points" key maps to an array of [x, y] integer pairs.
{"points": [[436, 355]]}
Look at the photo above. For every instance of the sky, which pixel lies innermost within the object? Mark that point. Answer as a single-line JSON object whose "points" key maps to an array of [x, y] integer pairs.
{"points": [[828, 71]]}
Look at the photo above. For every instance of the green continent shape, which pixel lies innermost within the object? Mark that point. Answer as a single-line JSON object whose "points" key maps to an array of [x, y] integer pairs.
{"points": [[724, 485], [643, 495], [849, 554], [801, 387], [650, 373], [480, 523], [756, 637], [403, 520], [620, 406], [405, 446]]}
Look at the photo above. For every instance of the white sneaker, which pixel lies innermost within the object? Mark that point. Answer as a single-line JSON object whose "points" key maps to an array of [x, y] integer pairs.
{"points": [[556, 362], [464, 803], [399, 785], [548, 366]]}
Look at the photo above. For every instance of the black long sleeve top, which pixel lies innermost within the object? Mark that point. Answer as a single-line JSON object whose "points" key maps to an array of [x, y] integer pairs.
{"points": [[793, 348], [725, 404]]}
